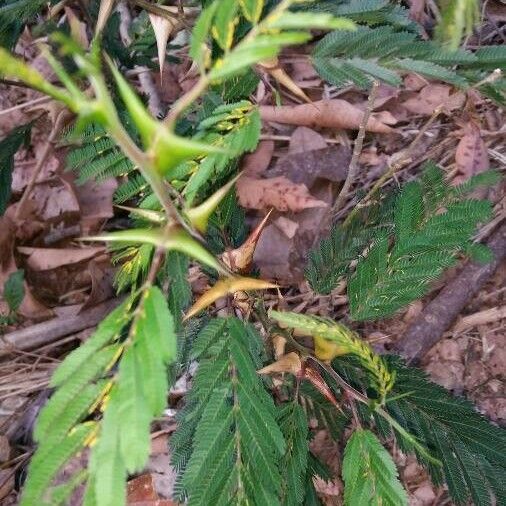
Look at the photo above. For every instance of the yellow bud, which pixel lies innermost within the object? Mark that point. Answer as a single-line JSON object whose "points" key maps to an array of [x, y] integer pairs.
{"points": [[327, 350]]}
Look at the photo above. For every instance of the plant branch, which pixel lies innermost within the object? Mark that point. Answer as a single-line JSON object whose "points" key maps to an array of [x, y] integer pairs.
{"points": [[357, 150], [186, 100], [48, 147], [402, 160]]}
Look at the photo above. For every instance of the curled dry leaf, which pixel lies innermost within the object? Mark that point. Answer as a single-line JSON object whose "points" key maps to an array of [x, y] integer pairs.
{"points": [[471, 155], [278, 192], [325, 113], [226, 286], [255, 164], [432, 96], [43, 259], [30, 307]]}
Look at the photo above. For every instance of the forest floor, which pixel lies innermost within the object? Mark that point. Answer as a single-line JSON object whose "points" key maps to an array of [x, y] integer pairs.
{"points": [[68, 286]]}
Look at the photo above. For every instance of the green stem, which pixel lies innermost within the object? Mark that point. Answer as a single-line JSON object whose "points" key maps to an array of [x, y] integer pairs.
{"points": [[401, 430]]}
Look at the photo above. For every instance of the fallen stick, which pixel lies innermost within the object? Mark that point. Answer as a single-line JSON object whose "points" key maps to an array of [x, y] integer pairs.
{"points": [[437, 317], [46, 332]]}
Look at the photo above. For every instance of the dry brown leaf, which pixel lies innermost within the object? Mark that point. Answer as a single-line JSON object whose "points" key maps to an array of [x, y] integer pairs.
{"points": [[30, 307], [432, 96], [414, 82], [305, 139], [311, 374], [43, 259], [325, 113], [227, 286], [288, 227], [141, 489], [102, 282], [254, 164], [278, 192], [471, 155], [95, 203]]}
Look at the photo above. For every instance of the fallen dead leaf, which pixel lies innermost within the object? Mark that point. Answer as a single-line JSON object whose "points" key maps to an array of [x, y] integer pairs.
{"points": [[432, 96], [52, 201], [30, 307], [278, 192], [43, 259], [282, 250], [325, 113], [414, 82], [95, 203], [102, 282], [288, 227], [141, 489], [305, 167], [254, 164], [305, 139], [471, 155]]}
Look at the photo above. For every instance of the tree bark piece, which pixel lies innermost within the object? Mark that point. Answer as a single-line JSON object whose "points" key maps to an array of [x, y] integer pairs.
{"points": [[51, 330], [437, 317]]}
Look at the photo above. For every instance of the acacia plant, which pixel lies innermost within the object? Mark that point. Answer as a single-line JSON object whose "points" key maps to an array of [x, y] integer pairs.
{"points": [[243, 438]]}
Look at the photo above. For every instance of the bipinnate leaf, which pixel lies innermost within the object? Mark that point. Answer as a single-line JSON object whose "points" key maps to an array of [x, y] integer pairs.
{"points": [[369, 473], [108, 331]]}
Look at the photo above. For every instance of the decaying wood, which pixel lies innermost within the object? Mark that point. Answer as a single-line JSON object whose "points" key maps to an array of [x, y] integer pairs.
{"points": [[429, 327], [51, 330]]}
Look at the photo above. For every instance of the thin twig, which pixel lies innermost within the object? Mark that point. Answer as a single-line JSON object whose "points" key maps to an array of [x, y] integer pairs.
{"points": [[399, 163], [186, 100], [48, 147], [35, 101], [357, 150]]}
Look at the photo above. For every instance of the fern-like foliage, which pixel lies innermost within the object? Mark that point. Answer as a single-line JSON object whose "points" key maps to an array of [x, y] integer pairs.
{"points": [[369, 473], [13, 14], [471, 450], [96, 155], [228, 446], [384, 54], [236, 127], [369, 12], [129, 400], [403, 245], [331, 259], [426, 241], [293, 423]]}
